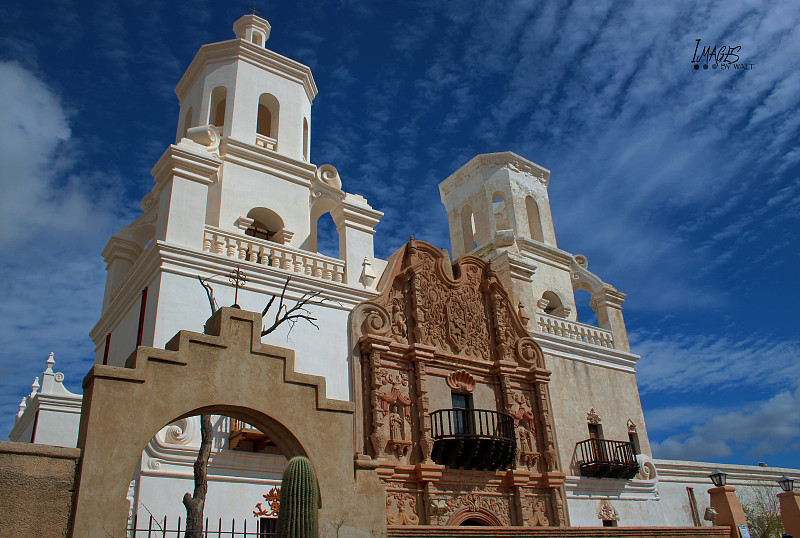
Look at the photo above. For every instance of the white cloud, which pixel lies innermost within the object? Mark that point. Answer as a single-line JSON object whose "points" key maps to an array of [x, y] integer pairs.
{"points": [[760, 429], [53, 225], [696, 363]]}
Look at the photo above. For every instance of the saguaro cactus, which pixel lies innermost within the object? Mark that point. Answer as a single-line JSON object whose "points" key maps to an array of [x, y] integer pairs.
{"points": [[298, 514]]}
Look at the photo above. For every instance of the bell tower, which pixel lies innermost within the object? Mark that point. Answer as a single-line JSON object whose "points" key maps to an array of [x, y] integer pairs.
{"points": [[237, 191], [498, 208], [249, 93]]}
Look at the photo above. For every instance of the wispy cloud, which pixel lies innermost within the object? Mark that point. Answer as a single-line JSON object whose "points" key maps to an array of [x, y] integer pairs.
{"points": [[695, 363], [766, 427]]}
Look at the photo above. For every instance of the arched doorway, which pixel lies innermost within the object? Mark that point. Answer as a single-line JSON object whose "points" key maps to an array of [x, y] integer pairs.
{"points": [[480, 518], [226, 371]]}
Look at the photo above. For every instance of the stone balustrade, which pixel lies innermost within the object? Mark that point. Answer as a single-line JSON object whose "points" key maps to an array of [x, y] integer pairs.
{"points": [[263, 252], [574, 330]]}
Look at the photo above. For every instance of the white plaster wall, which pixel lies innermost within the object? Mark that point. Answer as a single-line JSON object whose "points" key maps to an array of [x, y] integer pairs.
{"points": [[123, 335], [251, 82], [632, 513], [575, 388], [182, 304], [243, 189], [58, 427], [162, 496]]}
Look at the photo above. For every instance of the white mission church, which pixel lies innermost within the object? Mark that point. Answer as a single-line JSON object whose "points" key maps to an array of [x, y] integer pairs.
{"points": [[477, 397]]}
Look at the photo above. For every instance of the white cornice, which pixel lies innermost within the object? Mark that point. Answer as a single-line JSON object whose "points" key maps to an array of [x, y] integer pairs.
{"points": [[698, 471], [566, 348], [509, 159], [581, 487], [241, 50], [540, 252], [267, 161], [177, 161]]}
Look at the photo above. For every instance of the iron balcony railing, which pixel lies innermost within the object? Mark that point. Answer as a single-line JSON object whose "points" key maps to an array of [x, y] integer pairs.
{"points": [[473, 438], [606, 458]]}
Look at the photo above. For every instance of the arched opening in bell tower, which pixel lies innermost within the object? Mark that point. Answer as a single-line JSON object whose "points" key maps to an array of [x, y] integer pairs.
{"points": [[267, 121], [534, 219], [468, 228], [305, 139], [500, 211]]}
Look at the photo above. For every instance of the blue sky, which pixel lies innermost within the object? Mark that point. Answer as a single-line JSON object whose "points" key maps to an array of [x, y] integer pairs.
{"points": [[681, 186]]}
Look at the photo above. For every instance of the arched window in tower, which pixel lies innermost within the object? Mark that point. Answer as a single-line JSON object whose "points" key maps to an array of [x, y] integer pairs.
{"points": [[500, 211], [258, 39], [583, 303], [218, 106], [468, 228], [534, 220], [553, 306], [187, 122], [305, 139], [266, 224], [323, 236], [267, 122]]}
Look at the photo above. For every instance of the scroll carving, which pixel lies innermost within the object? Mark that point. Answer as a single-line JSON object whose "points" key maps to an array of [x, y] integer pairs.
{"points": [[401, 508], [477, 501], [529, 354]]}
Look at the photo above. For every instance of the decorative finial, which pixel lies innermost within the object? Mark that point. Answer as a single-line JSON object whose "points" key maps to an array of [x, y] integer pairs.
{"points": [[411, 237], [22, 405], [35, 387], [238, 280], [50, 362], [253, 9]]}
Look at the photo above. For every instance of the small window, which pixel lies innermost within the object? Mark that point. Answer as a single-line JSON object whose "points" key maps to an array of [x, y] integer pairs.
{"points": [[609, 523], [257, 39], [305, 139], [462, 423], [534, 219]]}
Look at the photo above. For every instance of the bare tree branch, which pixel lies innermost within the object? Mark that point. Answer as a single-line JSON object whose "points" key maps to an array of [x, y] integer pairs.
{"points": [[210, 292], [194, 503], [290, 315]]}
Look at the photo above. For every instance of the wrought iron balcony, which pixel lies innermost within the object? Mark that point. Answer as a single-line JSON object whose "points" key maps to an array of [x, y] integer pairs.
{"points": [[473, 439], [605, 458]]}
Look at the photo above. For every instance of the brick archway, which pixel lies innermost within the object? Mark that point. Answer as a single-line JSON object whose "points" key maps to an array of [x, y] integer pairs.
{"points": [[226, 371]]}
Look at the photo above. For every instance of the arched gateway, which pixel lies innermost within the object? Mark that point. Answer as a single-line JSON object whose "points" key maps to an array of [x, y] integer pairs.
{"points": [[228, 371]]}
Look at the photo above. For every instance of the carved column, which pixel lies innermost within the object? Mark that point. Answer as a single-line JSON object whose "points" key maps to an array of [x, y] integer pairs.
{"points": [[419, 355]]}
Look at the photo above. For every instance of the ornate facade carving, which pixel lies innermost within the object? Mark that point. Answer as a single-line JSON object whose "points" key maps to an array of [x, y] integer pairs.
{"points": [[272, 500], [631, 426], [606, 511], [458, 324], [401, 508], [535, 510], [592, 417], [461, 381]]}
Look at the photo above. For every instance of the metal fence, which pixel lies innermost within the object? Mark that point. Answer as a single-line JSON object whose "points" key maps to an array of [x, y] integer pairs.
{"points": [[164, 528]]}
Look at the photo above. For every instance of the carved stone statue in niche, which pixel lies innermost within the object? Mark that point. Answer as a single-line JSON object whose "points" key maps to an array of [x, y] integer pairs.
{"points": [[397, 313], [535, 512], [522, 413], [395, 410]]}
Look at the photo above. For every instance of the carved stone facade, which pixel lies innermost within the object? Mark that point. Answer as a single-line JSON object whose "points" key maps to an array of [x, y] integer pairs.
{"points": [[437, 329]]}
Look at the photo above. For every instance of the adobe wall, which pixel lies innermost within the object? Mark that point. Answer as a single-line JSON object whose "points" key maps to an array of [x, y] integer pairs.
{"points": [[36, 486]]}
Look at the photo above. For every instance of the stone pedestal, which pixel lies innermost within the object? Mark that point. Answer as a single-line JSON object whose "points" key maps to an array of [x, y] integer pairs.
{"points": [[729, 510], [790, 511]]}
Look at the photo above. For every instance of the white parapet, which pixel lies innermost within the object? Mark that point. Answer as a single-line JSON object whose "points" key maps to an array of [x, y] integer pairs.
{"points": [[50, 414], [574, 330], [263, 252]]}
